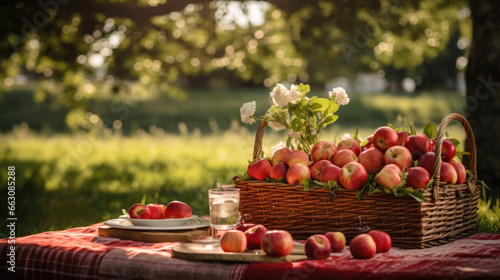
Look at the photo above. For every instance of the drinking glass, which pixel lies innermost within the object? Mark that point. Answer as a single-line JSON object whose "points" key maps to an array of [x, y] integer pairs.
{"points": [[224, 203]]}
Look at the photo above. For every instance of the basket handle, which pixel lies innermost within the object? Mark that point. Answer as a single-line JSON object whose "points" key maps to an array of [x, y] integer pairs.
{"points": [[439, 142], [257, 147]]}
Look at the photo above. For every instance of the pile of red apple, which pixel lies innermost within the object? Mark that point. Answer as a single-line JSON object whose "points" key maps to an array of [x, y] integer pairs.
{"points": [[393, 158], [174, 210], [279, 243]]}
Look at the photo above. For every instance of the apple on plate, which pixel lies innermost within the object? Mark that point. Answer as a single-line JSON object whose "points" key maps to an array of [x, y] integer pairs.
{"points": [[418, 145], [461, 171], [399, 156], [233, 241], [427, 162], [323, 150], [363, 246], [157, 211], [139, 211], [330, 173], [318, 167], [317, 247], [279, 171], [384, 138], [259, 169], [297, 173], [254, 236], [350, 144], [389, 177], [337, 240], [342, 157], [448, 150], [417, 177], [448, 173], [353, 176], [297, 157], [178, 210], [279, 155], [402, 135], [382, 240], [277, 243], [372, 159]]}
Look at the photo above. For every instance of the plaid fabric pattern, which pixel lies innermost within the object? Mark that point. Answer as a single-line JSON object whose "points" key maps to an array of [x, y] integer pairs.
{"points": [[80, 254]]}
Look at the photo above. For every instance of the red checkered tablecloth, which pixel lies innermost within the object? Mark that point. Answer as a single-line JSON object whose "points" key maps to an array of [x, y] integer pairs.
{"points": [[80, 254]]}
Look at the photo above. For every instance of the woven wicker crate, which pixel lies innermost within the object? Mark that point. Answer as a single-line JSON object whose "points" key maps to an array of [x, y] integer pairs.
{"points": [[449, 212]]}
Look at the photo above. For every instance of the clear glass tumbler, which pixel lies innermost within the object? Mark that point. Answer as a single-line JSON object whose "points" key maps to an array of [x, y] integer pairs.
{"points": [[224, 203]]}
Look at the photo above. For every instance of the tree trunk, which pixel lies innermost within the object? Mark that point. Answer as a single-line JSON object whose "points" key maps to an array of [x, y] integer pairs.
{"points": [[483, 90]]}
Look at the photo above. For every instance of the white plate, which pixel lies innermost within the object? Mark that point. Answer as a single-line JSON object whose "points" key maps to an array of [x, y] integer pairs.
{"points": [[159, 222], [125, 223]]}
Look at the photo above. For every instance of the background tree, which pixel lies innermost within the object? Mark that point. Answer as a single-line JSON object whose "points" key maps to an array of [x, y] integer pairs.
{"points": [[80, 49]]}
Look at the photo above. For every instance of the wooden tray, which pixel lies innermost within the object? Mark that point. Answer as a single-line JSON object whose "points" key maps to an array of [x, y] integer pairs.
{"points": [[211, 251], [154, 236]]}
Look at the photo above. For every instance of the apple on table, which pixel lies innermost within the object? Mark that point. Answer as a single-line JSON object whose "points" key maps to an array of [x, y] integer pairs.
{"points": [[317, 247], [277, 243], [254, 236], [337, 240], [363, 246], [233, 241]]}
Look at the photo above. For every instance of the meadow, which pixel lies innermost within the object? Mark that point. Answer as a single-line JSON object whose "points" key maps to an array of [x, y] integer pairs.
{"points": [[169, 150]]}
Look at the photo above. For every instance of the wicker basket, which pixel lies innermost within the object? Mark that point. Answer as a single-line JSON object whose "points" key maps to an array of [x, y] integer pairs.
{"points": [[448, 212]]}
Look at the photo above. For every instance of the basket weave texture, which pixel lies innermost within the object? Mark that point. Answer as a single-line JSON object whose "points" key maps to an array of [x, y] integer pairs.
{"points": [[449, 212]]}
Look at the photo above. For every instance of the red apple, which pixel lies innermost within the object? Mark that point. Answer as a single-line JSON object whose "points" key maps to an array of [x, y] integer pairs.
{"points": [[384, 138], [259, 169], [254, 236], [318, 247], [353, 176], [157, 211], [318, 167], [330, 173], [461, 171], [402, 135], [323, 150], [139, 211], [337, 240], [297, 157], [178, 210], [233, 241], [389, 177], [350, 144], [277, 243], [369, 144], [427, 162], [342, 157], [418, 145], [417, 177], [382, 240], [372, 159], [279, 155], [433, 144], [399, 156], [279, 171], [448, 150], [363, 247], [297, 173], [448, 173]]}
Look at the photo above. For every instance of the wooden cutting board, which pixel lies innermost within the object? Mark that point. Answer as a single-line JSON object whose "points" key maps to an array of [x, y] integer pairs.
{"points": [[211, 251], [154, 236]]}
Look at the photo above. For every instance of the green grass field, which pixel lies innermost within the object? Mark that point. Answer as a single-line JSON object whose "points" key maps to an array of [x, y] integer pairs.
{"points": [[66, 180]]}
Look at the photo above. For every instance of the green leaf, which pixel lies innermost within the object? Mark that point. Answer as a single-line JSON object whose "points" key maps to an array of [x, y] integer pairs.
{"points": [[328, 120], [318, 104], [289, 142], [246, 177], [296, 124], [308, 185], [430, 130], [412, 130], [364, 143], [332, 107], [455, 141], [304, 88], [363, 191]]}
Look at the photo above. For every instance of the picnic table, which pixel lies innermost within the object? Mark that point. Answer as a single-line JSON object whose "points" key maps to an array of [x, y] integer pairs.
{"points": [[79, 253]]}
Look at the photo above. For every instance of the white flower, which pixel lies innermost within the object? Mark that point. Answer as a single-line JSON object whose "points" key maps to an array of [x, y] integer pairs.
{"points": [[346, 136], [340, 95], [294, 94], [276, 125], [280, 95], [247, 111], [294, 134], [278, 146]]}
